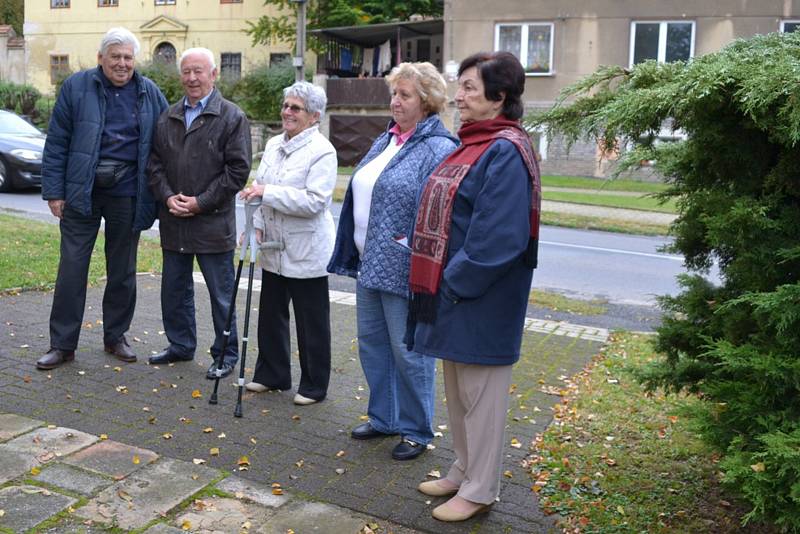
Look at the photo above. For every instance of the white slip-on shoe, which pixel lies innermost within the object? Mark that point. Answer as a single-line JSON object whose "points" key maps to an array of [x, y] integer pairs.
{"points": [[303, 401], [255, 387]]}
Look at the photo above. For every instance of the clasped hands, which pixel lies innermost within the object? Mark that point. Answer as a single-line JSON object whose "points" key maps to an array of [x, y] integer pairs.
{"points": [[181, 205]]}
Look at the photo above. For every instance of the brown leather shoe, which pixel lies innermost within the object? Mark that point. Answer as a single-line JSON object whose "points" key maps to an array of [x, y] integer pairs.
{"points": [[121, 350], [54, 358]]}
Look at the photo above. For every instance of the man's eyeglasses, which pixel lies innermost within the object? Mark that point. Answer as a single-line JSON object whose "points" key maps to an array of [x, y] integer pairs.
{"points": [[294, 108]]}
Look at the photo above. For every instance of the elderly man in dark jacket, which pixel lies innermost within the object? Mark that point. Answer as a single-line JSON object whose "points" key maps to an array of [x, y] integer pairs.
{"points": [[93, 168], [201, 158]]}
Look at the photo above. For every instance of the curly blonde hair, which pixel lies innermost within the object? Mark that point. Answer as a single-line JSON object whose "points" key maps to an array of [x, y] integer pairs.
{"points": [[428, 82]]}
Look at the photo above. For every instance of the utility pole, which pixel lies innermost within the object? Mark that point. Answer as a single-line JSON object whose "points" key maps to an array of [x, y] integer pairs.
{"points": [[300, 47]]}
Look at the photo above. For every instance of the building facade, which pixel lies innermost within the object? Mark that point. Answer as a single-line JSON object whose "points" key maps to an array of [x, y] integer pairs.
{"points": [[562, 41], [62, 36]]}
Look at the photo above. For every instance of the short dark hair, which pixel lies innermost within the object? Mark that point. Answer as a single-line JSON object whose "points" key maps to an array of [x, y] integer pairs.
{"points": [[502, 75]]}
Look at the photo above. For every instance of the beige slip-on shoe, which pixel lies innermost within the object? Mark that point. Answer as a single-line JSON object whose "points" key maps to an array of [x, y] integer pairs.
{"points": [[445, 512], [303, 401], [255, 387], [435, 488]]}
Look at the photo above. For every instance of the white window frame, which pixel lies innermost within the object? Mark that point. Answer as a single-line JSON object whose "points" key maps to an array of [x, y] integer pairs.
{"points": [[523, 50], [662, 37], [788, 21]]}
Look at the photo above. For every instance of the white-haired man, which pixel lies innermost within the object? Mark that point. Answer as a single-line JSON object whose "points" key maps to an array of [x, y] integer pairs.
{"points": [[201, 158], [93, 168]]}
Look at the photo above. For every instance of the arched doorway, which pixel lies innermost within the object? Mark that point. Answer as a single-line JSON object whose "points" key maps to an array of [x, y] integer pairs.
{"points": [[165, 53]]}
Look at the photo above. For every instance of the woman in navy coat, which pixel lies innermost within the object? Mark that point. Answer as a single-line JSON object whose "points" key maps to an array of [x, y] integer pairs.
{"points": [[474, 251]]}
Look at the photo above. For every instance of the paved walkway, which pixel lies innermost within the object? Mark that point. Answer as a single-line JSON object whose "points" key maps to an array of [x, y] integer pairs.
{"points": [[172, 461]]}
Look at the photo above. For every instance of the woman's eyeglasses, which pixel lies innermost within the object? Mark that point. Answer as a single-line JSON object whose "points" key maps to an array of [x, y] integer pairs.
{"points": [[294, 108]]}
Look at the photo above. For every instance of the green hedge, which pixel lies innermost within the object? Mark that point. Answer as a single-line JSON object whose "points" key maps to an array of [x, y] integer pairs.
{"points": [[735, 180]]}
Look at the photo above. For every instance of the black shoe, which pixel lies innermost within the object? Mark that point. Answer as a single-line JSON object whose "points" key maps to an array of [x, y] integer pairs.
{"points": [[366, 431], [222, 372], [167, 356], [54, 358], [407, 450], [121, 350]]}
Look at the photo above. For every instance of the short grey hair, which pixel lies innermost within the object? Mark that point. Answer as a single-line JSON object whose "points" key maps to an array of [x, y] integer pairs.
{"points": [[121, 37], [204, 51], [313, 96]]}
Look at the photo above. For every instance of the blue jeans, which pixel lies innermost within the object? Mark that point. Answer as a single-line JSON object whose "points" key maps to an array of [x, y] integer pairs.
{"points": [[401, 383], [177, 301]]}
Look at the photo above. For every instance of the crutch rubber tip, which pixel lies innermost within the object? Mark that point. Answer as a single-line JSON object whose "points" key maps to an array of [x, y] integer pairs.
{"points": [[238, 411], [213, 399]]}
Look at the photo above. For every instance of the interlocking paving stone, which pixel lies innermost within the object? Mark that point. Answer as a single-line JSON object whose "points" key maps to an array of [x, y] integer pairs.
{"points": [[253, 491], [72, 479], [312, 517], [13, 425], [215, 514], [112, 458], [42, 442], [147, 494], [13, 464], [27, 506]]}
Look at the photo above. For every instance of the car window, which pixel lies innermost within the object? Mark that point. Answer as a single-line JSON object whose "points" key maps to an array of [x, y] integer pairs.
{"points": [[14, 124]]}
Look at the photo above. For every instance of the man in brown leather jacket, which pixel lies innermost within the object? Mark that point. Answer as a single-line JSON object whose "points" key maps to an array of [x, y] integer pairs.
{"points": [[201, 158]]}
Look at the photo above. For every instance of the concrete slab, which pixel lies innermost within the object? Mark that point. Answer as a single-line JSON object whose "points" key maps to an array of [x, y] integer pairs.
{"points": [[13, 425], [27, 506], [215, 514], [46, 444], [112, 458], [14, 464], [252, 491], [147, 494], [312, 517], [73, 479]]}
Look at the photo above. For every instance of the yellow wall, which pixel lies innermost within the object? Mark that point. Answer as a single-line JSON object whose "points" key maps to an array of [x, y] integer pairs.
{"points": [[76, 31]]}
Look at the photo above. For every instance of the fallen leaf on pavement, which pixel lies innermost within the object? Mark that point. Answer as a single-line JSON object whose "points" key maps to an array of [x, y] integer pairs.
{"points": [[103, 437], [208, 430], [515, 443], [166, 435], [214, 451], [198, 461], [186, 525], [136, 460], [196, 394], [434, 473], [340, 454], [35, 471], [124, 495]]}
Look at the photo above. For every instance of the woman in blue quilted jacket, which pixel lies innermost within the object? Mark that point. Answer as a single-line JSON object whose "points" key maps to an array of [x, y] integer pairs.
{"points": [[371, 246]]}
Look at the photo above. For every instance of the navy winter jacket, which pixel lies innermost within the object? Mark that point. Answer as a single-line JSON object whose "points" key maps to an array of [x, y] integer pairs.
{"points": [[385, 264], [482, 301], [73, 142]]}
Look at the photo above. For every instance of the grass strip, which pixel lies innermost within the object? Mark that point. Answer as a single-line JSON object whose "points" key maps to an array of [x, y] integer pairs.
{"points": [[617, 459], [611, 200], [577, 182], [568, 220], [557, 302], [29, 253]]}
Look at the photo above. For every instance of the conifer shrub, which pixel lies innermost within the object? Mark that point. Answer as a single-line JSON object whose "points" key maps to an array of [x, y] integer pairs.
{"points": [[736, 179]]}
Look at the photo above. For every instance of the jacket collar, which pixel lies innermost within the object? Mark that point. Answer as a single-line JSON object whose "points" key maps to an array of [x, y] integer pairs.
{"points": [[300, 140], [213, 106]]}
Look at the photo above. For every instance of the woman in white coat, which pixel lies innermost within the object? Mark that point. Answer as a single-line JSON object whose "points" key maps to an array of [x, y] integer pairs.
{"points": [[295, 183]]}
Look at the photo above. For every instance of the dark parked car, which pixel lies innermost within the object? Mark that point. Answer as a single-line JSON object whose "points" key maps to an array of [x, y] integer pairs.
{"points": [[21, 146]]}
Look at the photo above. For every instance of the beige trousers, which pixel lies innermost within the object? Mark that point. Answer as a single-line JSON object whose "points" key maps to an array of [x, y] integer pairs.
{"points": [[477, 404]]}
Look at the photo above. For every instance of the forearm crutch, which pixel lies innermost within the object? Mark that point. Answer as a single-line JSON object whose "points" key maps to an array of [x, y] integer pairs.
{"points": [[248, 242]]}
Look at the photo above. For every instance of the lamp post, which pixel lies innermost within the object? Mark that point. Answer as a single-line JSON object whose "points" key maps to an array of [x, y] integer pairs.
{"points": [[300, 47]]}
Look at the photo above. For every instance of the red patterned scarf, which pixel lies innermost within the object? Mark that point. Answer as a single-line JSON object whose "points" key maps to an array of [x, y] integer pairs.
{"points": [[432, 228]]}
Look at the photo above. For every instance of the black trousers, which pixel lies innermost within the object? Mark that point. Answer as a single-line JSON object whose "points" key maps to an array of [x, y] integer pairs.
{"points": [[311, 305], [78, 235]]}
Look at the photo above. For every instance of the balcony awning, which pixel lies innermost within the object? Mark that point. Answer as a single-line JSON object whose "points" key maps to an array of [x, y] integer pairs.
{"points": [[372, 35]]}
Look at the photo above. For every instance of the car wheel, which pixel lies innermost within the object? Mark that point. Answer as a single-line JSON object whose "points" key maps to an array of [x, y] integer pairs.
{"points": [[5, 179]]}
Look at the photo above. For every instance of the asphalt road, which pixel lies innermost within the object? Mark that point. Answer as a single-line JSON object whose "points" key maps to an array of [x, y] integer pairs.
{"points": [[618, 268]]}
